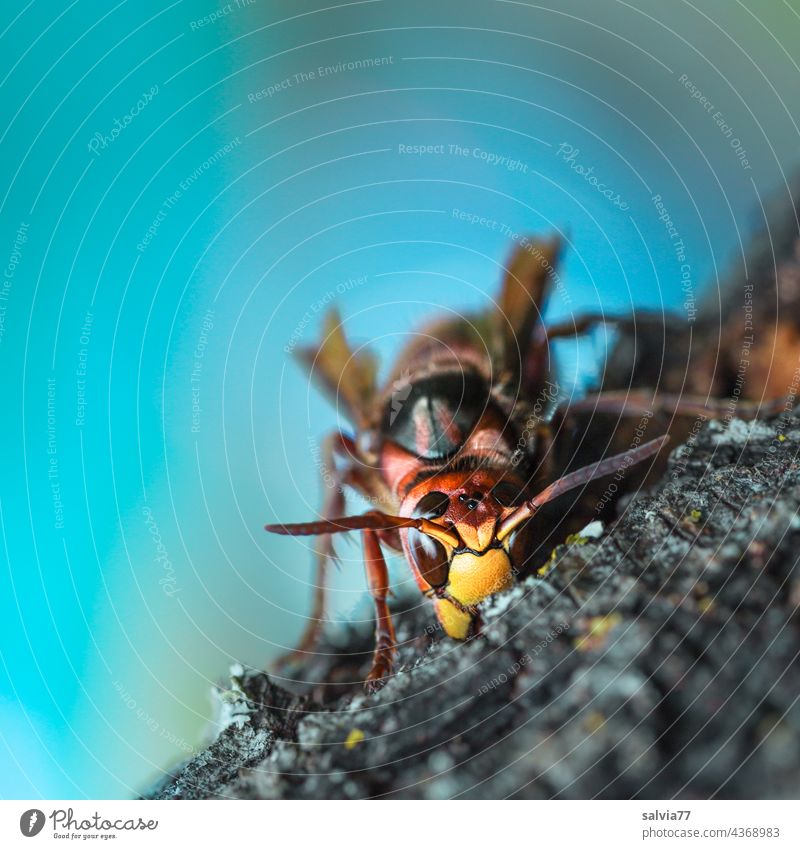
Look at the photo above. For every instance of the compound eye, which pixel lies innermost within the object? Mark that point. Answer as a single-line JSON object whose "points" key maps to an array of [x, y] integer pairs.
{"points": [[431, 506], [508, 494], [429, 556]]}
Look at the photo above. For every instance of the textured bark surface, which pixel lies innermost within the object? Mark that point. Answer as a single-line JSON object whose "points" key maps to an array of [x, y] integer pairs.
{"points": [[659, 660]]}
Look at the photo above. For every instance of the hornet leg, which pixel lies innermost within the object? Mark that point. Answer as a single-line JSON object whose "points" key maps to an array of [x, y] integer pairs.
{"points": [[333, 506], [378, 582]]}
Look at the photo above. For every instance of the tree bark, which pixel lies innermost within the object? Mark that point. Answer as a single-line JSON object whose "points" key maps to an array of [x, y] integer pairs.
{"points": [[657, 661]]}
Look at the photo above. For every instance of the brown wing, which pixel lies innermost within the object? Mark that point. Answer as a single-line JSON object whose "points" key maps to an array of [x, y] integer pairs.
{"points": [[348, 377], [521, 303]]}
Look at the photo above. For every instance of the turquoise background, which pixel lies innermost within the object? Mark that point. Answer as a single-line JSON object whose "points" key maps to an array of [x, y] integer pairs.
{"points": [[260, 209]]}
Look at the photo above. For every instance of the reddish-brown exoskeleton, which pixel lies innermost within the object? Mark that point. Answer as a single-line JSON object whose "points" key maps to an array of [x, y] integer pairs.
{"points": [[458, 451]]}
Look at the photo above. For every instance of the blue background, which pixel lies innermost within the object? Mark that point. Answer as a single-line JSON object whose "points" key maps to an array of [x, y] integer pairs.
{"points": [[110, 644]]}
